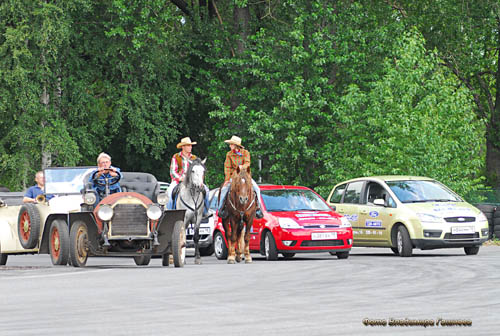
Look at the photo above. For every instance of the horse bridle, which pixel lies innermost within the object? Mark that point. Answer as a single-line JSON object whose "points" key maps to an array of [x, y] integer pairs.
{"points": [[242, 213]]}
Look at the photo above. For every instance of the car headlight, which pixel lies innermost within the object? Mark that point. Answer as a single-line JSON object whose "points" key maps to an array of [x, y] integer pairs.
{"points": [[153, 212], [89, 198], [162, 198], [288, 223], [481, 218], [428, 218], [344, 222], [105, 212]]}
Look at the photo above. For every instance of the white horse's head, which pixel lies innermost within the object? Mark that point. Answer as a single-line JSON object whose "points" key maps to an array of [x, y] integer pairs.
{"points": [[198, 173]]}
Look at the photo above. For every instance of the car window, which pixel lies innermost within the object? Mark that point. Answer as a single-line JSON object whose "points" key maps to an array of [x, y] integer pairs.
{"points": [[353, 192], [376, 191], [337, 194], [293, 200], [412, 191], [214, 201]]}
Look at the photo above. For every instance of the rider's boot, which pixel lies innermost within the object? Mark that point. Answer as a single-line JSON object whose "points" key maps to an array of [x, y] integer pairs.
{"points": [[258, 210]]}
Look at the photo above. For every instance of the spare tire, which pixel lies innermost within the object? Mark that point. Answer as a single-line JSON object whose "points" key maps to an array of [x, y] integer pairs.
{"points": [[28, 225]]}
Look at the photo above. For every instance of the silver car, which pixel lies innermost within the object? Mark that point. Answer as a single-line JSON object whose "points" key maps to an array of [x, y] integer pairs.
{"points": [[207, 225]]}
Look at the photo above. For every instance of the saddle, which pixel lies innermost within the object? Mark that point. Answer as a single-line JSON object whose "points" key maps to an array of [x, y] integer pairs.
{"points": [[175, 194]]}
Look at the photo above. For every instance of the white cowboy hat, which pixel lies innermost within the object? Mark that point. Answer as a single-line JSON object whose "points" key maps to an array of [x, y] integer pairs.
{"points": [[185, 141], [235, 141]]}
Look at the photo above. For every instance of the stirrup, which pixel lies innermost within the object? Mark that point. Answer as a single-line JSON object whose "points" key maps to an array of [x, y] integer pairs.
{"points": [[223, 213], [258, 213]]}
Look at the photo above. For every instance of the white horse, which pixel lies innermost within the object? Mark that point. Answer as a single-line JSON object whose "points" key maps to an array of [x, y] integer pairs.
{"points": [[191, 196]]}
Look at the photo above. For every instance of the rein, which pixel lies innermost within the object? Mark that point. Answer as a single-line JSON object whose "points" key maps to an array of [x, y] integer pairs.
{"points": [[242, 213]]}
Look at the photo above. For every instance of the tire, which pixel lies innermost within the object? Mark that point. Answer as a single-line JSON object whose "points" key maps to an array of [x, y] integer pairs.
{"points": [[78, 238], [395, 250], [270, 247], [220, 247], [496, 221], [496, 213], [343, 255], [28, 224], [142, 260], [3, 257], [59, 242], [179, 244], [207, 251], [403, 241], [165, 259], [288, 255], [471, 250]]}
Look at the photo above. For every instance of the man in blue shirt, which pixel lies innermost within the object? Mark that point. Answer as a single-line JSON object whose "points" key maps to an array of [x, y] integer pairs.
{"points": [[105, 170], [34, 191]]}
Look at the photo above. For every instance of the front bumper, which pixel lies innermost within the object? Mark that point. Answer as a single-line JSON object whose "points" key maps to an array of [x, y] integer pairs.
{"points": [[302, 241], [430, 244]]}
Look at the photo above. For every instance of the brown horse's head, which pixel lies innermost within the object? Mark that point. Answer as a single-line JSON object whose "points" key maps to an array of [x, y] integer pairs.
{"points": [[241, 188]]}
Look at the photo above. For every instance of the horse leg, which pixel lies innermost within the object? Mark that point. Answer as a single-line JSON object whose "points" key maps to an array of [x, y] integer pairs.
{"points": [[241, 246], [230, 241], [246, 240], [196, 239]]}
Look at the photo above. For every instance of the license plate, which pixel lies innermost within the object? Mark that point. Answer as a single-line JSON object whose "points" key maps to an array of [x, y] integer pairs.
{"points": [[203, 231], [323, 235], [462, 229]]}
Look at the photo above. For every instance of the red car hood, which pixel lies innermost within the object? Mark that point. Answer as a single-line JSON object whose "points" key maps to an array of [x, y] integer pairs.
{"points": [[310, 217]]}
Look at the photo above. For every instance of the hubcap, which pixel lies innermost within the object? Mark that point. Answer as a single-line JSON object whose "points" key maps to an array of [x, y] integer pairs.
{"points": [[81, 239], [266, 246], [55, 243], [218, 245], [25, 226]]}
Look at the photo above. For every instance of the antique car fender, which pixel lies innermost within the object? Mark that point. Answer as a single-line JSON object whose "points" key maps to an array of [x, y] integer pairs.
{"points": [[166, 228]]}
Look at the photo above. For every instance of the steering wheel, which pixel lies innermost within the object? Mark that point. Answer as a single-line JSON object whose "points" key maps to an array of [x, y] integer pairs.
{"points": [[114, 179]]}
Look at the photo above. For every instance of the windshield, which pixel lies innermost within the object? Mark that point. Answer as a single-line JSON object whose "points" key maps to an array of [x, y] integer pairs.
{"points": [[66, 180], [422, 191], [293, 200]]}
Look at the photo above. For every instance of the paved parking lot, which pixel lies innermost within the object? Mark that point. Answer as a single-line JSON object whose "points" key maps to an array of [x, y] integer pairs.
{"points": [[314, 294]]}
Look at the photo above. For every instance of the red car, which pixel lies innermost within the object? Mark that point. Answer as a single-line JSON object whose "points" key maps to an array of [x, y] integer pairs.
{"points": [[296, 220]]}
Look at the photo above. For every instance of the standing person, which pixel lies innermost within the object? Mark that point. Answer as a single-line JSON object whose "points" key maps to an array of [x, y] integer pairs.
{"points": [[105, 170], [37, 189], [179, 167], [237, 156]]}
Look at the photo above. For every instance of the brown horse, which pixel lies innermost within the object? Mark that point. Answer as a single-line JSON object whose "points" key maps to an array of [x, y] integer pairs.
{"points": [[241, 204]]}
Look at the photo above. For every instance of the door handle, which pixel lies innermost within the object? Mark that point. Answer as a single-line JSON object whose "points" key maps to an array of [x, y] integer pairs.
{"points": [[364, 212]]}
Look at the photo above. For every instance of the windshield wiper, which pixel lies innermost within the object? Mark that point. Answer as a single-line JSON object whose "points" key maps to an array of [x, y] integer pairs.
{"points": [[442, 200]]}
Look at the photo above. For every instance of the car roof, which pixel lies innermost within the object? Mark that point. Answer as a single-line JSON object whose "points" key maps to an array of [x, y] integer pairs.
{"points": [[387, 178]]}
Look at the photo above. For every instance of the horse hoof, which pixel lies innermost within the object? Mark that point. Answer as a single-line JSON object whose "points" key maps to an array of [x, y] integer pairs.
{"points": [[231, 261], [238, 259], [248, 261], [197, 261]]}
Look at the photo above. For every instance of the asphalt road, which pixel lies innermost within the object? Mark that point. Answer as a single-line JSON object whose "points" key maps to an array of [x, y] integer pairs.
{"points": [[313, 294]]}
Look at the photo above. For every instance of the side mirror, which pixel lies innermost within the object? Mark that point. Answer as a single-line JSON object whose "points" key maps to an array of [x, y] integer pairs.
{"points": [[379, 201], [333, 207]]}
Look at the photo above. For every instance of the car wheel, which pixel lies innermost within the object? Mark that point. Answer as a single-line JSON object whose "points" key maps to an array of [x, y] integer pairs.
{"points": [[78, 239], [165, 259], [207, 251], [3, 257], [28, 225], [59, 242], [395, 250], [343, 255], [220, 247], [179, 244], [288, 255], [142, 260], [270, 247], [471, 250], [404, 243]]}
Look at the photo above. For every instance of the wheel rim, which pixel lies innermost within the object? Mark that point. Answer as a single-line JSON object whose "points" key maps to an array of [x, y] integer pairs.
{"points": [[400, 242], [218, 245], [81, 240], [55, 243], [25, 226]]}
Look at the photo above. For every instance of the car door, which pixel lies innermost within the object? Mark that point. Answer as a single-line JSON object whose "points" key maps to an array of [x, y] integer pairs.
{"points": [[374, 220], [349, 205]]}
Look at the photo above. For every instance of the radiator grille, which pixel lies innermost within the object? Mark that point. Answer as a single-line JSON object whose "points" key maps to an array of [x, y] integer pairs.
{"points": [[129, 220], [461, 236], [331, 242], [460, 219]]}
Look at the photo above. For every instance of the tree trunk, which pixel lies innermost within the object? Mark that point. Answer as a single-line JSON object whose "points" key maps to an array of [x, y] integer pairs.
{"points": [[493, 131], [46, 154]]}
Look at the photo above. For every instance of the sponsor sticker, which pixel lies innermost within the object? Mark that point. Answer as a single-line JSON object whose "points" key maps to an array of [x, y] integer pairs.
{"points": [[373, 214], [373, 223]]}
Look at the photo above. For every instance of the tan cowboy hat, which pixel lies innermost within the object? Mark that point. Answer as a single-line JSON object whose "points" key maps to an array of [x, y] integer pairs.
{"points": [[185, 141], [235, 141]]}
